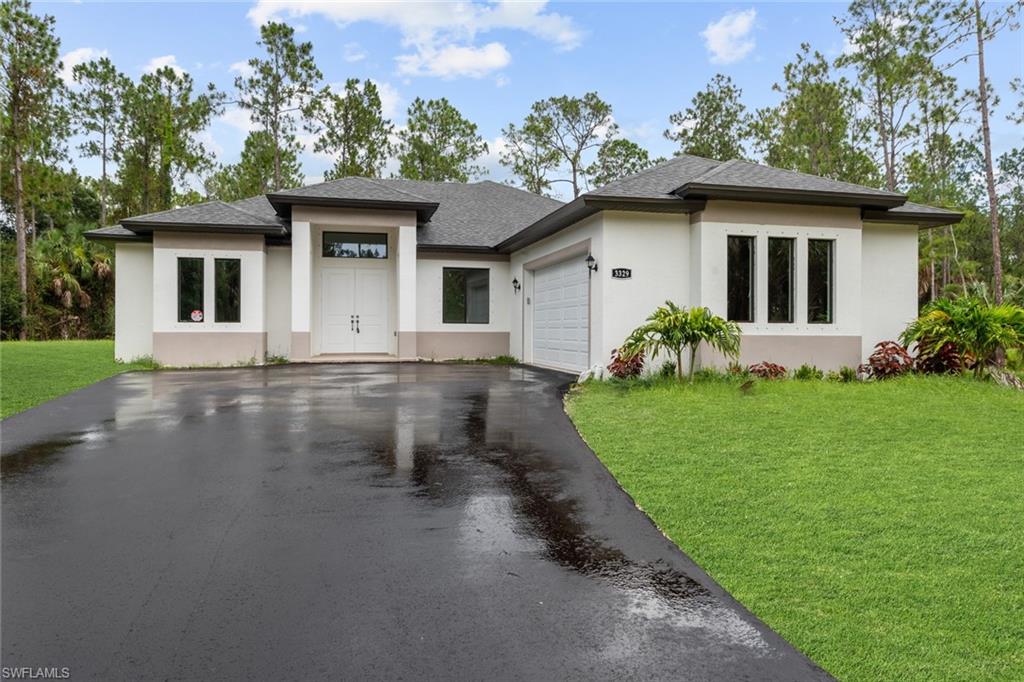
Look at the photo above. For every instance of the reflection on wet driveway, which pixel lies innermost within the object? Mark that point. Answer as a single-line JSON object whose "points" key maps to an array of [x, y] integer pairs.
{"points": [[370, 521]]}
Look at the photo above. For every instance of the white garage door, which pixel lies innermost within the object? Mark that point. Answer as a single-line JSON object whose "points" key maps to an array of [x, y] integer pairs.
{"points": [[561, 316]]}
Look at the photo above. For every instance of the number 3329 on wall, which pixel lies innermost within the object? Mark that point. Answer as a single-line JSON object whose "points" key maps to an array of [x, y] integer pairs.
{"points": [[622, 273]]}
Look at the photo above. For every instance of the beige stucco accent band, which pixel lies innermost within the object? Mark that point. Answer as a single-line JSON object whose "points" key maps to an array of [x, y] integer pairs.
{"points": [[757, 213], [301, 347], [451, 345], [191, 349], [205, 240], [791, 351]]}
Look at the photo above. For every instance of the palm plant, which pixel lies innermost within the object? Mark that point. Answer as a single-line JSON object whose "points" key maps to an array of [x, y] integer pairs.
{"points": [[673, 329], [969, 324], [64, 262]]}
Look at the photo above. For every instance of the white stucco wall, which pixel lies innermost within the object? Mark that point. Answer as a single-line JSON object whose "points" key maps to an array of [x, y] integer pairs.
{"points": [[429, 277], [889, 283], [133, 301], [167, 248], [721, 219], [574, 237], [656, 247], [279, 300]]}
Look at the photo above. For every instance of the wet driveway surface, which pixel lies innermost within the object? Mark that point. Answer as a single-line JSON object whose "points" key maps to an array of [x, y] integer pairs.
{"points": [[370, 521]]}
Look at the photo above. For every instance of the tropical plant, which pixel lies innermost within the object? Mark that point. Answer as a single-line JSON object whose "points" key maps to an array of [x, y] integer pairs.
{"points": [[673, 329], [889, 359], [808, 373], [626, 366], [767, 370], [973, 326], [65, 264]]}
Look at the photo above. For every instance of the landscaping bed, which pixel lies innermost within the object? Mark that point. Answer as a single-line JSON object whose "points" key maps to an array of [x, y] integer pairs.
{"points": [[875, 525]]}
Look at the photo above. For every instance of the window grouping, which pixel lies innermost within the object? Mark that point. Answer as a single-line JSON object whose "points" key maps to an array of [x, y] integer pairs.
{"points": [[741, 279], [465, 296], [227, 289], [354, 245]]}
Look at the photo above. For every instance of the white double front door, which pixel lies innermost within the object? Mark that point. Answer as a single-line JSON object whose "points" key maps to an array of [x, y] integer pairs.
{"points": [[354, 305]]}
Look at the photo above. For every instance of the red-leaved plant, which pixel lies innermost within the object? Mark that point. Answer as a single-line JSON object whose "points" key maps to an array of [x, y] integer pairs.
{"points": [[946, 359], [626, 367], [767, 370], [889, 359]]}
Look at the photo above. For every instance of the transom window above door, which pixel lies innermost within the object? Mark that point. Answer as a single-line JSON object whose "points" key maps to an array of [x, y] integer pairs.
{"points": [[355, 245]]}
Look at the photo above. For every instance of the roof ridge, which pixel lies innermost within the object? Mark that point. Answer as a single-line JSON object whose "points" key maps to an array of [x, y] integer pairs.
{"points": [[379, 183], [232, 206], [711, 171]]}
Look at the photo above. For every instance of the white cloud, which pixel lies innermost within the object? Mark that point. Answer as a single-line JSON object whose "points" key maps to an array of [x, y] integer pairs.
{"points": [[440, 35], [241, 68], [76, 57], [390, 99], [160, 62], [728, 39], [501, 81], [353, 52], [452, 61], [236, 117]]}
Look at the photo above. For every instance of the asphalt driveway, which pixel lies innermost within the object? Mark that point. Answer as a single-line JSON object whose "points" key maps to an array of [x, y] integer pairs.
{"points": [[359, 521]]}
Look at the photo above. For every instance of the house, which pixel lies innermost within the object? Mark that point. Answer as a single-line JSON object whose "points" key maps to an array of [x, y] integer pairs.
{"points": [[813, 270]]}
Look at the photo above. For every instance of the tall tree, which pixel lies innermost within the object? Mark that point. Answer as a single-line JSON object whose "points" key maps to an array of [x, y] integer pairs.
{"points": [[890, 58], [35, 122], [529, 157], [160, 147], [97, 109], [279, 86], [716, 123], [618, 158], [814, 129], [560, 130], [254, 173], [354, 130], [438, 143]]}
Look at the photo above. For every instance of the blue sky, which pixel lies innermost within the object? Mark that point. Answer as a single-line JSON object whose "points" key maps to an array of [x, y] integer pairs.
{"points": [[492, 61]]}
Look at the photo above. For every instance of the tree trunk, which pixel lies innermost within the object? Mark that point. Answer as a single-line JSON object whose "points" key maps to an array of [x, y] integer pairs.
{"points": [[19, 228], [693, 360], [990, 181], [679, 364], [883, 137], [103, 179], [931, 267]]}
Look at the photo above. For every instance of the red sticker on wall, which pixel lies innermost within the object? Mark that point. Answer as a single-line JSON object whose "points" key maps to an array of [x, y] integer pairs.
{"points": [[197, 315]]}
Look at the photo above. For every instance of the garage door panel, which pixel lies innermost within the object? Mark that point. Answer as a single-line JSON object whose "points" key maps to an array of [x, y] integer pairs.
{"points": [[561, 315]]}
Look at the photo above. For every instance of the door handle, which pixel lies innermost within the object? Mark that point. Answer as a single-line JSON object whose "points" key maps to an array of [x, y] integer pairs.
{"points": [[351, 322], [357, 324]]}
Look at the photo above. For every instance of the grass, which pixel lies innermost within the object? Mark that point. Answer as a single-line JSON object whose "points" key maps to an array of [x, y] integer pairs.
{"points": [[877, 527], [32, 372]]}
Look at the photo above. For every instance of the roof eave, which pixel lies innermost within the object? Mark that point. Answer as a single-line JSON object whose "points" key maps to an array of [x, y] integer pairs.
{"points": [[923, 220], [695, 190], [97, 235], [586, 206], [456, 248], [283, 202], [148, 227]]}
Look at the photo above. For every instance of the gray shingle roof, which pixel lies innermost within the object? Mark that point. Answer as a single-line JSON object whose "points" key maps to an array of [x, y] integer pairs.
{"points": [[113, 232], [911, 207], [210, 213], [658, 182], [354, 188], [478, 214]]}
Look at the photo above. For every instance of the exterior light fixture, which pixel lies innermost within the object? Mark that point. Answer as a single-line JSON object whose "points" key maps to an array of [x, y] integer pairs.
{"points": [[591, 264], [516, 286]]}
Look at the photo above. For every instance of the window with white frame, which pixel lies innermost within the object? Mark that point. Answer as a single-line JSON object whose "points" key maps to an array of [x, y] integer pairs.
{"points": [[740, 273], [821, 258], [781, 264]]}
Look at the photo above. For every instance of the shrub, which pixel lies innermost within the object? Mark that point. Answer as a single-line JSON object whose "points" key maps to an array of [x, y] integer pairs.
{"points": [[847, 374], [889, 359], [971, 325], [808, 373], [945, 359], [767, 370], [626, 366], [668, 369]]}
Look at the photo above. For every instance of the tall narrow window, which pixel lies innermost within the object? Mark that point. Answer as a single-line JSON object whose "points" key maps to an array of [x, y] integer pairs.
{"points": [[227, 279], [190, 290], [465, 296], [780, 279], [740, 279], [821, 258]]}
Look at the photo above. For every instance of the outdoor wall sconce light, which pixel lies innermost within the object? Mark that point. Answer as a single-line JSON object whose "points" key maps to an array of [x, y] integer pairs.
{"points": [[591, 264], [516, 286]]}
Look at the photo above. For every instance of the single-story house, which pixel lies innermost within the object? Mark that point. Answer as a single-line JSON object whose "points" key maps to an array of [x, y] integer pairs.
{"points": [[813, 270]]}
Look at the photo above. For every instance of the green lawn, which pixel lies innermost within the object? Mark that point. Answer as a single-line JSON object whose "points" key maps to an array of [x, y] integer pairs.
{"points": [[878, 527], [32, 372]]}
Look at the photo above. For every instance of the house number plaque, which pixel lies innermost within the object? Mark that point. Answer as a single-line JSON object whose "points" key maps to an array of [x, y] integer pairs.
{"points": [[621, 273]]}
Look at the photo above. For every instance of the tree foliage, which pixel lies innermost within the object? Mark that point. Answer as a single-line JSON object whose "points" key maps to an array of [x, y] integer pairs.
{"points": [[354, 130], [715, 125], [439, 143], [279, 87], [672, 330], [617, 158], [254, 173]]}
